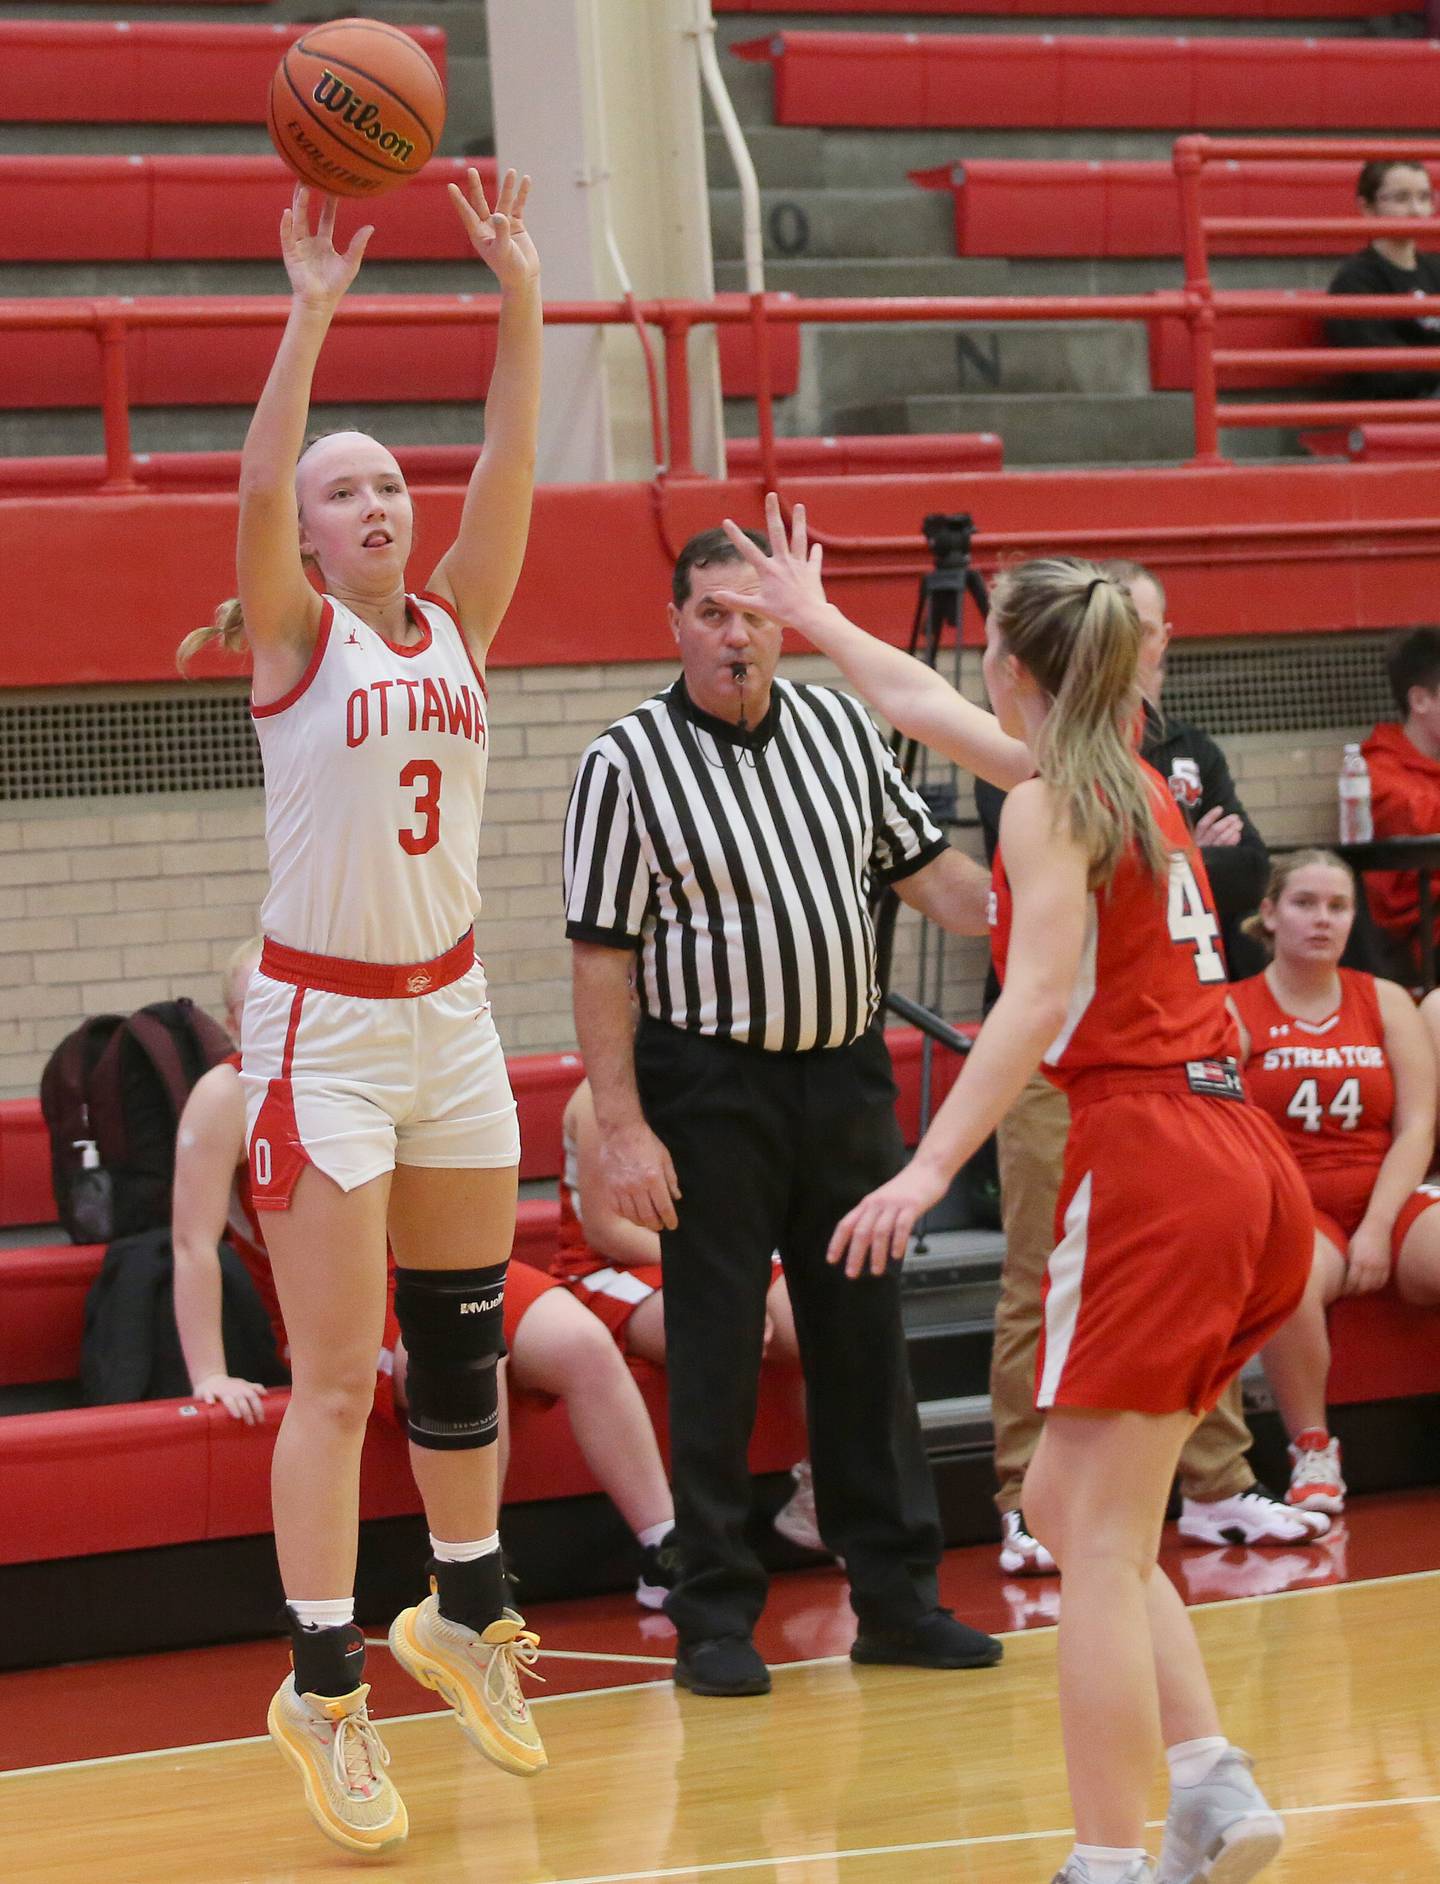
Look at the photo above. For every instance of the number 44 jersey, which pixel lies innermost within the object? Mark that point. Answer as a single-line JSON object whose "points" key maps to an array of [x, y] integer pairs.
{"points": [[1151, 987], [1327, 1085], [374, 784]]}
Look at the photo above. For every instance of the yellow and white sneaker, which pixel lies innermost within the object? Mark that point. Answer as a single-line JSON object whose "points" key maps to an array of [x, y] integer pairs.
{"points": [[479, 1675], [341, 1759]]}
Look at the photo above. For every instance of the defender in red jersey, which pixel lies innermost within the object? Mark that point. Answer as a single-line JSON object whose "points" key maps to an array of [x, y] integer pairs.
{"points": [[377, 1101], [1115, 982], [1341, 1062]]}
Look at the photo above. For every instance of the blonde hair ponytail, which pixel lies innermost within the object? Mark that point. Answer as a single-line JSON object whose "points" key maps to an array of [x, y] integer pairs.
{"points": [[1075, 629], [228, 628]]}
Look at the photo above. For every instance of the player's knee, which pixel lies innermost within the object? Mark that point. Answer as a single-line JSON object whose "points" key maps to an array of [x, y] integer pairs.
{"points": [[574, 1353], [452, 1321], [341, 1396], [1043, 1515]]}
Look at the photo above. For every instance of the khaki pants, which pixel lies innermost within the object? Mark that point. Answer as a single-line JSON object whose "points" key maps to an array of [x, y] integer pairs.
{"points": [[1031, 1143]]}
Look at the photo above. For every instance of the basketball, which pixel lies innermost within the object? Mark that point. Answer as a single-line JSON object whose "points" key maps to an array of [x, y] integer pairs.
{"points": [[356, 107]]}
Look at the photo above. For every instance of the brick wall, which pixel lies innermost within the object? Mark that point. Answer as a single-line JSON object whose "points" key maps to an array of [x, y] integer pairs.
{"points": [[108, 903]]}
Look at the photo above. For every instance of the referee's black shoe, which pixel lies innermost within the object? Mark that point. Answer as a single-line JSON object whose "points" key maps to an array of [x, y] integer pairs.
{"points": [[937, 1639], [721, 1664]]}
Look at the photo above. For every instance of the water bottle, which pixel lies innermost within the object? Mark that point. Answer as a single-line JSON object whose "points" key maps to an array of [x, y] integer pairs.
{"points": [[92, 1197], [1356, 824]]}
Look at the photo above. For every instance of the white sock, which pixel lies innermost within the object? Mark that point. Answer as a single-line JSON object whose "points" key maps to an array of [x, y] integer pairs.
{"points": [[1191, 1761], [655, 1533], [333, 1614], [464, 1553], [1107, 1864]]}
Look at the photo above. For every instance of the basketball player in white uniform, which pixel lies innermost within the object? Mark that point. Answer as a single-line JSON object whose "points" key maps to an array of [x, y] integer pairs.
{"points": [[375, 1085]]}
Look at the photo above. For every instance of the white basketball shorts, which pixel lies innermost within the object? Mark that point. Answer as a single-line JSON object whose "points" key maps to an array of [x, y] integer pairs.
{"points": [[355, 1084]]}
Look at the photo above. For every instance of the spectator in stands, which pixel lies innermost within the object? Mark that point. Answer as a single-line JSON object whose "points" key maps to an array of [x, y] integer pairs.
{"points": [[1404, 764], [1222, 1501], [1390, 265], [555, 1348], [1342, 1063], [728, 834], [613, 1266]]}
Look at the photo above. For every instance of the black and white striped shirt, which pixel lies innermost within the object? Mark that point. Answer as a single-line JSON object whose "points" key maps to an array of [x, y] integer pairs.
{"points": [[740, 864]]}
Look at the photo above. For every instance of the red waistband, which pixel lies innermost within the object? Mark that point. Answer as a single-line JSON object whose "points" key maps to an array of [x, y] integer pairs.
{"points": [[1105, 1082], [371, 981]]}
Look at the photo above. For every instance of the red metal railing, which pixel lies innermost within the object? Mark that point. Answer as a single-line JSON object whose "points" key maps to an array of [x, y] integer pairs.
{"points": [[1204, 302], [112, 321], [1198, 303]]}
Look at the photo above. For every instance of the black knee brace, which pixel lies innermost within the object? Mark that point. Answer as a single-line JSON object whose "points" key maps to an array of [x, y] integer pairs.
{"points": [[453, 1324]]}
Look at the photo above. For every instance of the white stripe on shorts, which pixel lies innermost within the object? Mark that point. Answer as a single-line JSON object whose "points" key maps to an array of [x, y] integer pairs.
{"points": [[1062, 1305], [623, 1284]]}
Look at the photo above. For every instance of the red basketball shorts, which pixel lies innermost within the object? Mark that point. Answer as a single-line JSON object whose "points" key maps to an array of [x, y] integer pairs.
{"points": [[524, 1285], [1185, 1235], [1339, 1230]]}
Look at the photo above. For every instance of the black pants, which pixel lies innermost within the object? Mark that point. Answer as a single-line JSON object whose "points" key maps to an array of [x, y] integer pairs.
{"points": [[771, 1150]]}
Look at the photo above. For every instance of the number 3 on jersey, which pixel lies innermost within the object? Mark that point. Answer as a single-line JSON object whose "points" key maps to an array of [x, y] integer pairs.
{"points": [[423, 776], [1189, 920]]}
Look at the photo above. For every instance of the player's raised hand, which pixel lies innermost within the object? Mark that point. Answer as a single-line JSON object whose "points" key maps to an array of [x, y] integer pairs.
{"points": [[318, 273], [877, 1231], [499, 235], [790, 586]]}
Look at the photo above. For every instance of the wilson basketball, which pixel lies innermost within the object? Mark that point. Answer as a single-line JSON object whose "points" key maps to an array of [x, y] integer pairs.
{"points": [[356, 107]]}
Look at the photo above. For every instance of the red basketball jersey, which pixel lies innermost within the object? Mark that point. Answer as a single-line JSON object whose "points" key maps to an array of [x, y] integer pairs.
{"points": [[1327, 1085], [1150, 991]]}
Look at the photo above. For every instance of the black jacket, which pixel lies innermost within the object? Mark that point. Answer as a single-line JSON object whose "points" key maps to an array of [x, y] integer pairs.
{"points": [[1370, 273], [1194, 767], [131, 1347]]}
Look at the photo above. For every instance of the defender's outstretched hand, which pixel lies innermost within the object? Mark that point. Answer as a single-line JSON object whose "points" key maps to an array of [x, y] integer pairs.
{"points": [[790, 584], [877, 1231], [499, 235], [318, 274]]}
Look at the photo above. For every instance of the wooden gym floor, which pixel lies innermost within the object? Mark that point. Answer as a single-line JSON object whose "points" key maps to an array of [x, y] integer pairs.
{"points": [[1326, 1662]]}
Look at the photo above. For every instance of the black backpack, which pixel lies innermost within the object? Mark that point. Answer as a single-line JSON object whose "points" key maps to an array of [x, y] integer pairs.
{"points": [[131, 1346], [112, 1093]]}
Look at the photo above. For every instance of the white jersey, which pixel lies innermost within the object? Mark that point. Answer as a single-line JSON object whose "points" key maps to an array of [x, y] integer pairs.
{"points": [[374, 783]]}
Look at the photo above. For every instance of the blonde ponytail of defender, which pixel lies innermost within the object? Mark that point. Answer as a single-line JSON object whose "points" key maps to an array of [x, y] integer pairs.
{"points": [[1075, 629]]}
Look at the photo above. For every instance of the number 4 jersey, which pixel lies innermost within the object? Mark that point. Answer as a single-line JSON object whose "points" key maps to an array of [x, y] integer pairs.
{"points": [[374, 784], [1151, 987], [1327, 1085]]}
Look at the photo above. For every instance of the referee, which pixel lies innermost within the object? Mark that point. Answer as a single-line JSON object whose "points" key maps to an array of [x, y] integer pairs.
{"points": [[721, 847]]}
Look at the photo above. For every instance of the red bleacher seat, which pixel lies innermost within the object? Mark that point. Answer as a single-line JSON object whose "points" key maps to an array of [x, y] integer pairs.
{"points": [[1382, 1349], [432, 466], [1386, 444], [900, 454], [43, 1290], [916, 80], [426, 467], [214, 364], [1171, 361], [25, 1194], [147, 71], [82, 1483], [172, 209], [1089, 9], [542, 1082], [1019, 206]]}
